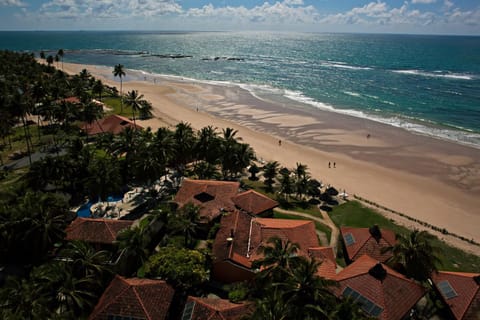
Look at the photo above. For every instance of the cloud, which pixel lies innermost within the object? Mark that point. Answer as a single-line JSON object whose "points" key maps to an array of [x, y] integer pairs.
{"points": [[80, 9], [12, 3], [288, 11], [424, 1]]}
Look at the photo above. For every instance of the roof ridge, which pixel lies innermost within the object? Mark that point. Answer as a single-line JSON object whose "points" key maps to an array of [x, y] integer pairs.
{"points": [[230, 252], [118, 295], [110, 230], [141, 302]]}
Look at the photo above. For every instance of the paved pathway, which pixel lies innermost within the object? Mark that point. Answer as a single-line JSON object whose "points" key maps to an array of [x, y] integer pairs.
{"points": [[325, 221]]}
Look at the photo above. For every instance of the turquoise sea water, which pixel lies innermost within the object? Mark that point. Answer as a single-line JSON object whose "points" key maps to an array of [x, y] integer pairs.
{"points": [[427, 84]]}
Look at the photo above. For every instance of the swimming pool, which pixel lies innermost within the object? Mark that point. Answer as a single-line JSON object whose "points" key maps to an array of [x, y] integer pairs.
{"points": [[84, 211]]}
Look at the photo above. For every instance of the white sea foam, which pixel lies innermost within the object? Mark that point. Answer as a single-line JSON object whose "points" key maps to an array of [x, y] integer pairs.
{"points": [[353, 94], [343, 66], [436, 74]]}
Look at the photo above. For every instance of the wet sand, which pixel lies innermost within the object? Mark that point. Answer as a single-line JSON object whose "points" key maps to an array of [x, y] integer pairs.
{"points": [[429, 179]]}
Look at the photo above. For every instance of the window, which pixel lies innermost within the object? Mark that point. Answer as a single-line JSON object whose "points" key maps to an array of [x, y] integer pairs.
{"points": [[367, 305], [349, 239], [188, 311], [446, 289]]}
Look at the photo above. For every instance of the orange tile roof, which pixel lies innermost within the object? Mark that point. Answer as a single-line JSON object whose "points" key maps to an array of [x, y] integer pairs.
{"points": [[212, 196], [136, 298], [113, 124], [218, 309], [254, 202], [326, 257], [466, 303], [395, 294], [102, 231], [250, 233], [365, 243]]}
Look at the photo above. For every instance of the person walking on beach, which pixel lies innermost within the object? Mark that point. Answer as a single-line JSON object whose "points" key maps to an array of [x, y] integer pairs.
{"points": [[329, 164], [280, 142], [334, 165]]}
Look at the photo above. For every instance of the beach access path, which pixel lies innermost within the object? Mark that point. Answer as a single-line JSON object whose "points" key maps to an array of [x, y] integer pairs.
{"points": [[431, 180]]}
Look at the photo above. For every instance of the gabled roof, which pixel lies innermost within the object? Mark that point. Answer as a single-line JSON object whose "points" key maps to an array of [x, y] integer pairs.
{"points": [[211, 196], [360, 241], [216, 309], [102, 231], [241, 235], [379, 286], [136, 298], [326, 257], [114, 124], [464, 301], [254, 202]]}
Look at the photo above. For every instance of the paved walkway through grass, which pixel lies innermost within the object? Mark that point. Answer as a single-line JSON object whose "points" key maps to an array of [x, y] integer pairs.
{"points": [[325, 221]]}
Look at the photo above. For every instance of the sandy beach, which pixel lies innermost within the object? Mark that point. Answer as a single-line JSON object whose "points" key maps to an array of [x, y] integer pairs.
{"points": [[429, 179]]}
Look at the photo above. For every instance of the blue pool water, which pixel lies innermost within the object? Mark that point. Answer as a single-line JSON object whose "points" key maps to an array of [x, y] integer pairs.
{"points": [[84, 211]]}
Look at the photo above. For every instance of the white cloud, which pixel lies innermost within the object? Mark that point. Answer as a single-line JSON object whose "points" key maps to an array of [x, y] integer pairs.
{"points": [[424, 1], [79, 9], [288, 11], [12, 3]]}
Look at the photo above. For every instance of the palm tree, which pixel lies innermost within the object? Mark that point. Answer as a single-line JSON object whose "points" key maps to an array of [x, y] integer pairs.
{"points": [[98, 89], [61, 53], [309, 294], [135, 102], [119, 72], [133, 249], [86, 261], [42, 55], [279, 257], [185, 141], [269, 173], [57, 59], [50, 60], [272, 306], [253, 171], [287, 186], [415, 255]]}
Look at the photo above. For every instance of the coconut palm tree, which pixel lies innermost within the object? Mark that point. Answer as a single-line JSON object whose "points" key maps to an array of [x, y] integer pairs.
{"points": [[118, 71], [414, 255], [135, 102], [287, 186], [270, 171], [279, 257], [98, 89], [132, 247], [185, 141], [60, 54], [86, 261], [188, 224]]}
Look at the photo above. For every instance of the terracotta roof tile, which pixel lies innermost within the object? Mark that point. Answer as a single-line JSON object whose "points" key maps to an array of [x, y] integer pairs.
{"points": [[365, 243], [210, 195], [254, 202], [102, 231], [113, 124], [466, 303], [210, 309], [140, 298], [326, 257], [250, 233], [395, 294]]}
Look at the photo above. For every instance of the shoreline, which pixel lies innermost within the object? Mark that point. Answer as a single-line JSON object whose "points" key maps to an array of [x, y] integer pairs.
{"points": [[429, 179]]}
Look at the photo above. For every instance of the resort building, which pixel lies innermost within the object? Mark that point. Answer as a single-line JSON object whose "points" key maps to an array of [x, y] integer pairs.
{"points": [[134, 299], [215, 309], [114, 124], [371, 241], [217, 197], [461, 293], [381, 292], [241, 235], [328, 266], [101, 233]]}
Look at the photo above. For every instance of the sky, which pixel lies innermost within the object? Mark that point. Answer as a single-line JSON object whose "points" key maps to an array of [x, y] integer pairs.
{"points": [[377, 16]]}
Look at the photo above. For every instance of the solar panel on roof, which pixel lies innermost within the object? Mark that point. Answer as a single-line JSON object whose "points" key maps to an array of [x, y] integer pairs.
{"points": [[188, 311], [446, 289], [367, 305], [349, 239]]}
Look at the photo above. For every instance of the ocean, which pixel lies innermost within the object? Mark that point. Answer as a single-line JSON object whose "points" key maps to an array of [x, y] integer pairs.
{"points": [[426, 84]]}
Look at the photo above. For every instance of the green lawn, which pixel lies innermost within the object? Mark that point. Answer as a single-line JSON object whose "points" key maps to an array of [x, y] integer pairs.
{"points": [[353, 214], [115, 104]]}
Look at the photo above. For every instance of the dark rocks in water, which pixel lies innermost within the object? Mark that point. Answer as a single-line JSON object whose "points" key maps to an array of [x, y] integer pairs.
{"points": [[172, 56], [223, 58]]}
